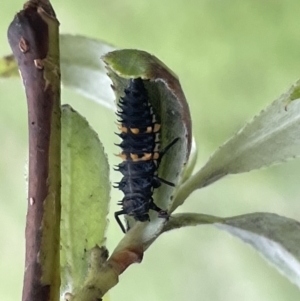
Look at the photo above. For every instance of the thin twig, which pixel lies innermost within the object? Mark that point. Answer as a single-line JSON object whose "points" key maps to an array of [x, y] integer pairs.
{"points": [[33, 37]]}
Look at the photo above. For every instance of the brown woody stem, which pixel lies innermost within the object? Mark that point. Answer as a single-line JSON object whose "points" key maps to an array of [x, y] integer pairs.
{"points": [[33, 37]]}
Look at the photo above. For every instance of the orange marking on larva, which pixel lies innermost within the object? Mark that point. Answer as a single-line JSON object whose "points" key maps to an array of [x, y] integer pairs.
{"points": [[149, 129], [155, 155], [122, 128], [146, 157], [135, 131], [122, 156], [134, 157], [157, 127]]}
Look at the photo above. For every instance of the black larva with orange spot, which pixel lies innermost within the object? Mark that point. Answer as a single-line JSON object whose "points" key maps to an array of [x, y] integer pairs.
{"points": [[140, 153]]}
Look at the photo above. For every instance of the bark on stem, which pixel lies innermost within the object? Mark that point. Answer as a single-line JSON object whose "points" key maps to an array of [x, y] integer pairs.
{"points": [[33, 37]]}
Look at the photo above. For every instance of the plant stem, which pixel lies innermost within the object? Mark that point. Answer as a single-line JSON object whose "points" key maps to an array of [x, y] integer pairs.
{"points": [[33, 37]]}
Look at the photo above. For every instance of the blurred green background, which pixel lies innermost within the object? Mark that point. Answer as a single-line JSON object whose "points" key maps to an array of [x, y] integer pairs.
{"points": [[233, 58]]}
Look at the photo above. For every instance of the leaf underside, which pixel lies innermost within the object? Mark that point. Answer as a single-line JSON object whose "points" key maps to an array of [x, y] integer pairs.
{"points": [[275, 237], [170, 107]]}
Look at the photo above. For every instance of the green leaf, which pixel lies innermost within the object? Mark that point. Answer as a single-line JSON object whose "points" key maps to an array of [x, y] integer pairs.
{"points": [[81, 68], [85, 197], [275, 237], [271, 137], [167, 98]]}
